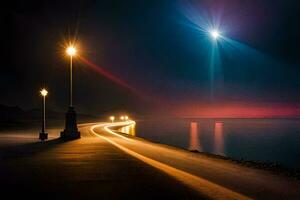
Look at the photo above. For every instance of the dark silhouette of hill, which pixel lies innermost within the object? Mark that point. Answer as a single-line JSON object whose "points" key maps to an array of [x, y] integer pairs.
{"points": [[11, 116]]}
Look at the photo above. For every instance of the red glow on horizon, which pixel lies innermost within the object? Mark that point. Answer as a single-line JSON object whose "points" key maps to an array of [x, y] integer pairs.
{"points": [[237, 110]]}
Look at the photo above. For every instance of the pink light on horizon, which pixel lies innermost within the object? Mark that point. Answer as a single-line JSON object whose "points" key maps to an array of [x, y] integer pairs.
{"points": [[237, 110]]}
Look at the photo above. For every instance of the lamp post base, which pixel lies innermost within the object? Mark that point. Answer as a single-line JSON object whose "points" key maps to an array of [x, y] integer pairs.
{"points": [[71, 131], [43, 136]]}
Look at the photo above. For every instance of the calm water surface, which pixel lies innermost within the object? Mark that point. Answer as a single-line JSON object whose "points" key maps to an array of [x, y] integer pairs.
{"points": [[270, 140]]}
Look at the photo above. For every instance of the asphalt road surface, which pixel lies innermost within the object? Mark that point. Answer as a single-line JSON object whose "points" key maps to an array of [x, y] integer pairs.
{"points": [[109, 165]]}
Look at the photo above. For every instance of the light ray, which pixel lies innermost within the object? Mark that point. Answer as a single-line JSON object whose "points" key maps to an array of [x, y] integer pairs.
{"points": [[109, 75]]}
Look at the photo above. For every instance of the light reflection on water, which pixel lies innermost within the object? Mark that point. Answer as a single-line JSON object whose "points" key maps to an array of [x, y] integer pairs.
{"points": [[195, 143], [130, 130], [194, 137], [219, 139], [270, 140]]}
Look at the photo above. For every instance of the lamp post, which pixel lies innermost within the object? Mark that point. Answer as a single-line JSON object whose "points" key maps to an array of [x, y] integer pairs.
{"points": [[71, 130], [71, 51], [44, 135]]}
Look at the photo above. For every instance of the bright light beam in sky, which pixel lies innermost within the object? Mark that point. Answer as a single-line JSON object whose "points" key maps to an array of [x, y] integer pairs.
{"points": [[215, 63], [146, 97], [209, 27], [109, 75]]}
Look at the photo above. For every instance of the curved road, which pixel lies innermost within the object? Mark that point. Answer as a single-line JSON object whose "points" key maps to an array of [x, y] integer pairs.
{"points": [[110, 165], [215, 178]]}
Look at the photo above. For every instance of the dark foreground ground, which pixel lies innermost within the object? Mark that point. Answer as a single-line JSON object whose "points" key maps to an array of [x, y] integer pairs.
{"points": [[81, 169]]}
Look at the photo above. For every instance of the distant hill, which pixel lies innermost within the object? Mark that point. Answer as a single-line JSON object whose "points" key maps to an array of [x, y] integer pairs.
{"points": [[14, 116], [11, 113]]}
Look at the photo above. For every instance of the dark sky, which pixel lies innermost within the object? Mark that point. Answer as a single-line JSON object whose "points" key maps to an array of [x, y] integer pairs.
{"points": [[155, 47]]}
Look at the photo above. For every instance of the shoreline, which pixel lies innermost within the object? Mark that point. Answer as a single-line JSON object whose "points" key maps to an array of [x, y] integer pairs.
{"points": [[273, 167], [276, 168]]}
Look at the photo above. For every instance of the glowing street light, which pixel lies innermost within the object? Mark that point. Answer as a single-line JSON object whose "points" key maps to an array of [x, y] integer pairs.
{"points": [[44, 92], [44, 135], [71, 50], [122, 118], [214, 33], [112, 119], [71, 130], [126, 117]]}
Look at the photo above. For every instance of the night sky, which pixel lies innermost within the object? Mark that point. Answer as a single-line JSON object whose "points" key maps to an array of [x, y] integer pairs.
{"points": [[161, 53]]}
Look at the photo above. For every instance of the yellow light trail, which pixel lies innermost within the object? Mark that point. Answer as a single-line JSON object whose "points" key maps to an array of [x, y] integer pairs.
{"points": [[212, 190]]}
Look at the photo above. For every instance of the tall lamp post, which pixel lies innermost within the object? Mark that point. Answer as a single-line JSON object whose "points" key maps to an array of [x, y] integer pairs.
{"points": [[71, 130], [43, 134]]}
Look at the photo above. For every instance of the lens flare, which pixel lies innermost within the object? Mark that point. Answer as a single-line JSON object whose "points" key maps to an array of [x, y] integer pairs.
{"points": [[44, 92], [71, 50], [110, 76], [215, 34]]}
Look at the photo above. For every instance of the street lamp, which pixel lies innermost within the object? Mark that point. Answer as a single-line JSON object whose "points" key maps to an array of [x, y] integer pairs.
{"points": [[122, 118], [71, 50], [126, 117], [112, 119], [44, 135], [71, 130]]}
